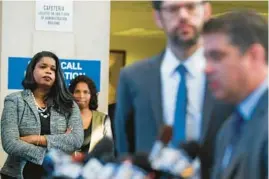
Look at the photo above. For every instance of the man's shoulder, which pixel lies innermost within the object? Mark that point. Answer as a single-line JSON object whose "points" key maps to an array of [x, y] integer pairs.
{"points": [[144, 65]]}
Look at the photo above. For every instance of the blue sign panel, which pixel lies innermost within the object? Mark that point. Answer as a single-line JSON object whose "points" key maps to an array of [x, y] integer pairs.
{"points": [[71, 68]]}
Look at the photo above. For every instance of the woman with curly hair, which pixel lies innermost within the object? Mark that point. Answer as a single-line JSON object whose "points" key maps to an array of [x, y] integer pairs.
{"points": [[96, 124]]}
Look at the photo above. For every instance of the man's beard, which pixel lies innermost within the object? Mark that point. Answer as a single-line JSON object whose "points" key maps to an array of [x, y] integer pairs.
{"points": [[178, 41]]}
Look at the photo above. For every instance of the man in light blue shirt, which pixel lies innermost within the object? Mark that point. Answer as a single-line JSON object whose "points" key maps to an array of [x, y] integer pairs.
{"points": [[236, 49]]}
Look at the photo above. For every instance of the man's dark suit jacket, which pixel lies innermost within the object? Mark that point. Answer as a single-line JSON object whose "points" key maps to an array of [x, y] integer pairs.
{"points": [[139, 99], [251, 155]]}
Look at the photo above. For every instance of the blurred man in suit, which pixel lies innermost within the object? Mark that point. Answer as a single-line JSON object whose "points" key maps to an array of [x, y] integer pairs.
{"points": [[236, 48], [170, 88]]}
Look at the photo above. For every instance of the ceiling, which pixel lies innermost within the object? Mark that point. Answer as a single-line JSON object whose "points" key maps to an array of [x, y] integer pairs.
{"points": [[134, 18]]}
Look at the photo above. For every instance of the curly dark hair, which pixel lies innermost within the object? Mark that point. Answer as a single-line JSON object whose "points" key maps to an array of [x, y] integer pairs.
{"points": [[93, 105], [59, 94]]}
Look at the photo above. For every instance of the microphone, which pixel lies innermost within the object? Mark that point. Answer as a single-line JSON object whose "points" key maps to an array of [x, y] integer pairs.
{"points": [[53, 158], [91, 169], [108, 171], [188, 164], [166, 159], [59, 164], [122, 169], [141, 160], [104, 151], [192, 148], [180, 161], [165, 136], [94, 162], [128, 170]]}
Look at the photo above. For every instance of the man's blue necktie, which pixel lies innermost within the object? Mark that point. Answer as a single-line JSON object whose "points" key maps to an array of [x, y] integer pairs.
{"points": [[181, 109]]}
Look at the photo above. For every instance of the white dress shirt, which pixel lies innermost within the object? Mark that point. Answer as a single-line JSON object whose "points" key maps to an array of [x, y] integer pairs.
{"points": [[195, 81]]}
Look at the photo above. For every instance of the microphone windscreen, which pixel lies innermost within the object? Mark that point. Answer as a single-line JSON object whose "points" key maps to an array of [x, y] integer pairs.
{"points": [[163, 139], [166, 134], [191, 148], [141, 160], [104, 150], [91, 169]]}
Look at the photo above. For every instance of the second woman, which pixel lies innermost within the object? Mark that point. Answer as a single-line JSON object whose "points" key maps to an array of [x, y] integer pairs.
{"points": [[96, 124]]}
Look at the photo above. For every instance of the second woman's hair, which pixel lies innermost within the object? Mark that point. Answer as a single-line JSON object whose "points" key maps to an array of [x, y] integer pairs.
{"points": [[59, 94], [93, 104]]}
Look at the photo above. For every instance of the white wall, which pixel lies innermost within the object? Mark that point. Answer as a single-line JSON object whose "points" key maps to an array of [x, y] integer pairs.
{"points": [[89, 39]]}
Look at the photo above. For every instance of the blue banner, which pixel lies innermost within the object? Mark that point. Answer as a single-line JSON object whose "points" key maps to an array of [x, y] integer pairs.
{"points": [[71, 68]]}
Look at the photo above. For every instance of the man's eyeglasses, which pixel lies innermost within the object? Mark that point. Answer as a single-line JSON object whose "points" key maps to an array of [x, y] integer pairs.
{"points": [[189, 7]]}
